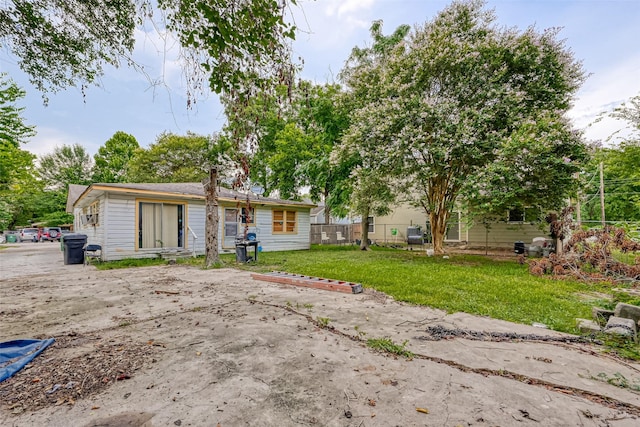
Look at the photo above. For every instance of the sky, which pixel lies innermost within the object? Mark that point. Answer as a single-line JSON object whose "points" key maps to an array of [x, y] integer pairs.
{"points": [[603, 34]]}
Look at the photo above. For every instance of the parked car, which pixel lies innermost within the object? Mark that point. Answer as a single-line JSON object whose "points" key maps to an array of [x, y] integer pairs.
{"points": [[49, 233], [28, 234]]}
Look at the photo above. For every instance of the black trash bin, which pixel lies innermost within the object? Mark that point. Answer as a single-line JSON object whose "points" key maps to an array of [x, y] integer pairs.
{"points": [[518, 247], [241, 253], [74, 248]]}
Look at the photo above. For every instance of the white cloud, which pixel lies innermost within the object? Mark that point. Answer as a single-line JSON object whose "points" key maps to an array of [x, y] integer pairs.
{"points": [[346, 7], [48, 138], [601, 93]]}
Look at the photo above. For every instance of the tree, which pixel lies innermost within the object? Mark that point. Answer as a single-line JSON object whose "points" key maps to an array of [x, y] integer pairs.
{"points": [[13, 130], [629, 112], [373, 186], [371, 195], [113, 157], [621, 183], [298, 128], [620, 169], [173, 158], [325, 117], [17, 170], [69, 164], [62, 43], [535, 168], [461, 93]]}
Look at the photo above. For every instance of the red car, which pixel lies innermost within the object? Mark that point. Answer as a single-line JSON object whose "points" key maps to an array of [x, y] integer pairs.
{"points": [[49, 233]]}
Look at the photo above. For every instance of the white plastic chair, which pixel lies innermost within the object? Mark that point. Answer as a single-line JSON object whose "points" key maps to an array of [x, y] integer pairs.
{"points": [[325, 238], [339, 237]]}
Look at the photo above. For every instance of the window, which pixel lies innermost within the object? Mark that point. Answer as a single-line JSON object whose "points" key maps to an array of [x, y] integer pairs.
{"points": [[161, 225], [516, 215], [234, 222], [90, 214], [371, 224], [247, 216], [529, 214], [453, 227], [284, 221]]}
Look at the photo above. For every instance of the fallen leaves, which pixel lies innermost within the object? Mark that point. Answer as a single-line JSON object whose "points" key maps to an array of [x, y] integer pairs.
{"points": [[55, 379]]}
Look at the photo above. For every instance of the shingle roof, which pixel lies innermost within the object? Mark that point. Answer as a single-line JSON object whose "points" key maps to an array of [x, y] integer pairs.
{"points": [[74, 192], [191, 189]]}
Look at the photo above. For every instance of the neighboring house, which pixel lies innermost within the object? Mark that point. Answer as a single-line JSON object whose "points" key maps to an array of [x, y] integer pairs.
{"points": [[499, 234], [318, 216], [143, 220]]}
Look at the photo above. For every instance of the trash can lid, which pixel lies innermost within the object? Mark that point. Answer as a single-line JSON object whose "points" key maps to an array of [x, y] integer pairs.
{"points": [[75, 236]]}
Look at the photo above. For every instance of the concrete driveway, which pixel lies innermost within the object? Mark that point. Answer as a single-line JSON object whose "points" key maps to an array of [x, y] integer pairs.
{"points": [[181, 346], [27, 258]]}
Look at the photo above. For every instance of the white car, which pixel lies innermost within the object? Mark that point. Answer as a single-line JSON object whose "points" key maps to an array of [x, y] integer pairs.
{"points": [[28, 234]]}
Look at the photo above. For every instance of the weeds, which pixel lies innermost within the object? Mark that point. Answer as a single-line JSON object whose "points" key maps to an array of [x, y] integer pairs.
{"points": [[618, 380], [621, 346], [386, 345], [323, 322]]}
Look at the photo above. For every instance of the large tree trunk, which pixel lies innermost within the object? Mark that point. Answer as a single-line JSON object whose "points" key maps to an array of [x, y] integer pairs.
{"points": [[438, 221], [212, 219], [364, 243]]}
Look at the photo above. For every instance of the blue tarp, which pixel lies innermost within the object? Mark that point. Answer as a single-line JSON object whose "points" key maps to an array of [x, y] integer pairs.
{"points": [[14, 355]]}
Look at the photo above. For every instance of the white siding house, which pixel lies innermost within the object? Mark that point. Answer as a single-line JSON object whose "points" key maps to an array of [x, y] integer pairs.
{"points": [[144, 220]]}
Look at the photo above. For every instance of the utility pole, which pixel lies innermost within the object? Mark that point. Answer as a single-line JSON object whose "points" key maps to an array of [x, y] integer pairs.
{"points": [[578, 207], [602, 195]]}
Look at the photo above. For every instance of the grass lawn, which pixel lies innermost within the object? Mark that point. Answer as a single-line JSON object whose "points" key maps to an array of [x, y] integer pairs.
{"points": [[498, 288], [501, 289]]}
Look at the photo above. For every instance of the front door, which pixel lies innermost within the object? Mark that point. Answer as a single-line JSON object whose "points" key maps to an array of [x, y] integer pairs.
{"points": [[231, 227]]}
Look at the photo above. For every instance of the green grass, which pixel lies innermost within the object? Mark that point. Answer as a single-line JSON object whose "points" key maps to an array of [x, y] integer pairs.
{"points": [[501, 289]]}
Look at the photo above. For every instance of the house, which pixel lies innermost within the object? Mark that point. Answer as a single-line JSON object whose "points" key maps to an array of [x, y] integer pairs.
{"points": [[318, 216], [144, 220], [516, 226]]}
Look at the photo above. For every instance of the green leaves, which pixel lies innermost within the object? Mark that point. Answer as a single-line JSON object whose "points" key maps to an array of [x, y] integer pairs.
{"points": [[112, 159], [69, 164], [63, 43], [13, 130], [462, 107], [174, 158]]}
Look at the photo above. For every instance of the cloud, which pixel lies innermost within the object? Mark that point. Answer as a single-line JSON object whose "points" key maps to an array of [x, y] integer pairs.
{"points": [[48, 138], [341, 8], [601, 93]]}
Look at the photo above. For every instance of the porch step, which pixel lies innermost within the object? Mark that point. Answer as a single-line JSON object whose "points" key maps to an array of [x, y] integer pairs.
{"points": [[175, 254], [309, 282]]}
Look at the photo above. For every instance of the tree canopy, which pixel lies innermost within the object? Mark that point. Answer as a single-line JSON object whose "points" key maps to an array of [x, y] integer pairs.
{"points": [[456, 96], [112, 159], [225, 43], [69, 164], [172, 158], [620, 170], [298, 128]]}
